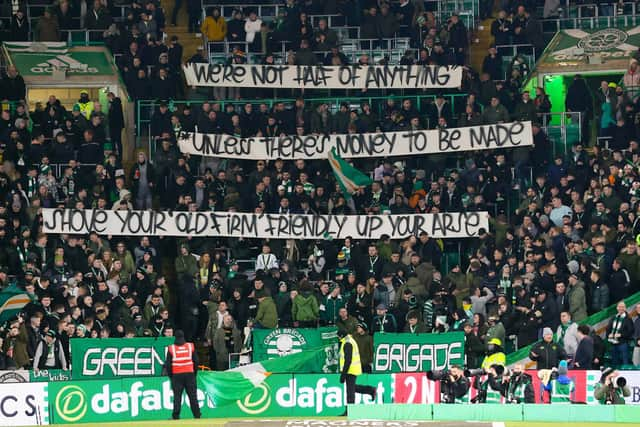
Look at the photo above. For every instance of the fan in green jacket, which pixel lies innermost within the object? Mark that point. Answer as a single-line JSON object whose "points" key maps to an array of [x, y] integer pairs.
{"points": [[267, 315], [305, 308]]}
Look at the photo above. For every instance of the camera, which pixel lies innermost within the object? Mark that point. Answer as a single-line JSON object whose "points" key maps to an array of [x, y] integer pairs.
{"points": [[474, 372], [621, 382], [442, 375]]}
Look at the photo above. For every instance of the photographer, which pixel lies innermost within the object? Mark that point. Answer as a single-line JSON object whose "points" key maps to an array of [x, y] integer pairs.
{"points": [[519, 386], [454, 386], [611, 389], [490, 390]]}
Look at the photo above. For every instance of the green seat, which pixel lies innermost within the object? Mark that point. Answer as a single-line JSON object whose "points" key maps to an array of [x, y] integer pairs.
{"points": [[573, 134]]}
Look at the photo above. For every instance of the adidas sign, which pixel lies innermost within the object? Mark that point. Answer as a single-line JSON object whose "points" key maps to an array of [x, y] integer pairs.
{"points": [[63, 62]]}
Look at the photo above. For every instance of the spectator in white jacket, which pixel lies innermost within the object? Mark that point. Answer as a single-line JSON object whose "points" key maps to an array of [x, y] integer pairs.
{"points": [[567, 334], [266, 260], [252, 26]]}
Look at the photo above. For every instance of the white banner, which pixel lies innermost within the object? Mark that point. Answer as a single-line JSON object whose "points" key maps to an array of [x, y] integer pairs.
{"points": [[408, 143], [24, 404], [324, 77], [249, 225]]}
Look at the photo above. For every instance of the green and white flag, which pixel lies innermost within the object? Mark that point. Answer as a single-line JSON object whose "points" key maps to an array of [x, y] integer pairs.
{"points": [[12, 300], [349, 178], [224, 388], [37, 47]]}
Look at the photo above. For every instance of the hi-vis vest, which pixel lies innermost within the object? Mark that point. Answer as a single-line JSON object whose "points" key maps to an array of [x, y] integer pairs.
{"points": [[86, 108], [561, 393], [182, 356], [356, 367], [494, 359]]}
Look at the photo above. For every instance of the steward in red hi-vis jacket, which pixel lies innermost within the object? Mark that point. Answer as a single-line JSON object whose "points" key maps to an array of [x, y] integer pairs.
{"points": [[180, 365]]}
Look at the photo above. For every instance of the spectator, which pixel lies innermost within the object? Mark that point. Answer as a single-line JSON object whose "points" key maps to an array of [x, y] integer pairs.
{"points": [[20, 26], [214, 26], [619, 333], [583, 357], [252, 27], [546, 353], [13, 87], [567, 334], [227, 340], [48, 29]]}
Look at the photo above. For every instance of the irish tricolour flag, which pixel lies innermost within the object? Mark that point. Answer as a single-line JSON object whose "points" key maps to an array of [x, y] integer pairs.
{"points": [[223, 388], [348, 177], [12, 300]]}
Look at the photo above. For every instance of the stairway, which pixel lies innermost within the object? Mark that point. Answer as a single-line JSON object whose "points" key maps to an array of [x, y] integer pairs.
{"points": [[482, 39], [188, 40]]}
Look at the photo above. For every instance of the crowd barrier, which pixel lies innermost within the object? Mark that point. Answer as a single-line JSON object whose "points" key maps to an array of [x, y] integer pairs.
{"points": [[487, 412], [280, 395]]}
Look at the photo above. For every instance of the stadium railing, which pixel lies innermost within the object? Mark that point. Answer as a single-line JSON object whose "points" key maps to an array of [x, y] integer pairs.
{"points": [[550, 26], [510, 51], [146, 108]]}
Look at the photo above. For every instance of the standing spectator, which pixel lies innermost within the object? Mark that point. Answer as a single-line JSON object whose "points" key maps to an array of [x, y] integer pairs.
{"points": [[501, 29], [20, 30], [567, 334], [49, 353], [458, 38], [226, 340], [194, 10], [252, 27], [116, 122], [235, 29], [305, 309], [599, 292], [48, 29], [619, 332], [583, 357], [12, 85], [546, 353], [214, 27], [143, 179], [636, 337]]}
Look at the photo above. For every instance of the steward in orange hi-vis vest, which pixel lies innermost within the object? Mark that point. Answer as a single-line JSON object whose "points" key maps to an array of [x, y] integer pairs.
{"points": [[182, 356], [180, 366]]}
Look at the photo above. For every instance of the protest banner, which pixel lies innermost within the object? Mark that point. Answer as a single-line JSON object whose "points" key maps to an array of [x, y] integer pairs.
{"points": [[118, 357], [417, 352], [263, 226], [23, 404], [280, 342], [359, 145], [324, 77]]}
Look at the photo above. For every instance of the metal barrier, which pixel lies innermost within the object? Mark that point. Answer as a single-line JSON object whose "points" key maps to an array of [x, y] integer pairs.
{"points": [[509, 51], [556, 124], [551, 26]]}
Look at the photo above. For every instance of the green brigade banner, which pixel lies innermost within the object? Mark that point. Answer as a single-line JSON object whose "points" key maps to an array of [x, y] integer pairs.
{"points": [[417, 352], [272, 343], [118, 357]]}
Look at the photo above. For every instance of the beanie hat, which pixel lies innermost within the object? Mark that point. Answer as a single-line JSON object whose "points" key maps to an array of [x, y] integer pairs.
{"points": [[562, 367]]}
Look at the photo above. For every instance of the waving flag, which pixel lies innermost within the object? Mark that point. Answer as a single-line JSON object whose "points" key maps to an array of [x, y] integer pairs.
{"points": [[349, 178], [12, 300]]}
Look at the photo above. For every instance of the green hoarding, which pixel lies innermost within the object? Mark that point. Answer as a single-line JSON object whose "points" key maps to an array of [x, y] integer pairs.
{"points": [[77, 63], [139, 399], [417, 352], [272, 343], [118, 357]]}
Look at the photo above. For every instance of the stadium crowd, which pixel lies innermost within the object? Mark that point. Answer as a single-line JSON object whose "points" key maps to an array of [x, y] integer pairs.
{"points": [[565, 249]]}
